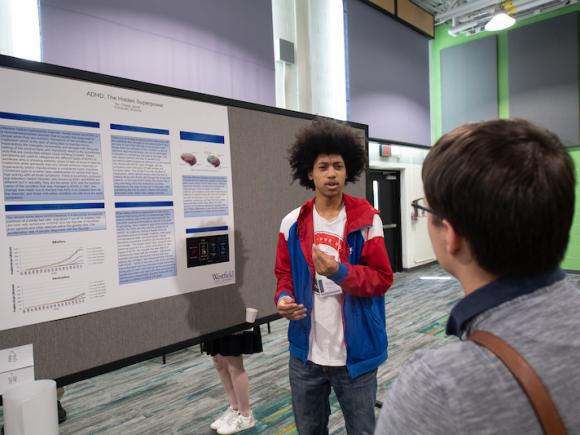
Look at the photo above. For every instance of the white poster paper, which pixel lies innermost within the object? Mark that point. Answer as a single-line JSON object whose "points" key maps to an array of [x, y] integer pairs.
{"points": [[109, 197]]}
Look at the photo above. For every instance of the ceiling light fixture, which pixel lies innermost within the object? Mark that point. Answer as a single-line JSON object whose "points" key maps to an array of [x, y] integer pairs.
{"points": [[500, 21]]}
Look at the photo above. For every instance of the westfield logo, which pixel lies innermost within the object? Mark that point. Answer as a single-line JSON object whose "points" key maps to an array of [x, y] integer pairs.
{"points": [[223, 276]]}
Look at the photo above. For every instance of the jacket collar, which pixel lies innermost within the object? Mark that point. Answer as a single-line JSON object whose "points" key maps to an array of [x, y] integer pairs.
{"points": [[358, 211], [494, 294]]}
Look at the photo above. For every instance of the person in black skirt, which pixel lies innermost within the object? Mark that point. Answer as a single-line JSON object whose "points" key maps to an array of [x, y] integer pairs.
{"points": [[227, 358]]}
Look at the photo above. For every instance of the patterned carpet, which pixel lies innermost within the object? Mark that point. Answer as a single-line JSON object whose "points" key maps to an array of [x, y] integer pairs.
{"points": [[184, 395]]}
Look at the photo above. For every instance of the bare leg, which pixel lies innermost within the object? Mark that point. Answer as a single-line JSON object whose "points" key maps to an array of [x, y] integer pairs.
{"points": [[240, 383], [221, 364]]}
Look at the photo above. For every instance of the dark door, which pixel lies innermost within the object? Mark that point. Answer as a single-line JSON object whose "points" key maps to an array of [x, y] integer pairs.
{"points": [[384, 192]]}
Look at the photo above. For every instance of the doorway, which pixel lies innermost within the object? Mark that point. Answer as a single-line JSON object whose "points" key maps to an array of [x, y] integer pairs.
{"points": [[384, 193]]}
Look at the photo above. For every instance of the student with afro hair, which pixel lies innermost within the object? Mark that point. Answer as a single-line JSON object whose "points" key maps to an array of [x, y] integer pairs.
{"points": [[332, 273]]}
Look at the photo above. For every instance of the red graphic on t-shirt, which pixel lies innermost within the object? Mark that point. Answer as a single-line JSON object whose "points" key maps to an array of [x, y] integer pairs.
{"points": [[329, 239]]}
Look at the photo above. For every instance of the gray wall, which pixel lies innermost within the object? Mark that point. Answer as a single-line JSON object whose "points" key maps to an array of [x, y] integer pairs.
{"points": [[388, 75], [469, 83], [543, 75], [217, 47]]}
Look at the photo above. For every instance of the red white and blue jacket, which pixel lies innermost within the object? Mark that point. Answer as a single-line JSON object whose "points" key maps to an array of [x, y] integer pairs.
{"points": [[365, 275]]}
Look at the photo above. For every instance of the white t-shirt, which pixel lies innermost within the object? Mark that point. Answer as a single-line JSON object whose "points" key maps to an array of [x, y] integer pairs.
{"points": [[327, 345]]}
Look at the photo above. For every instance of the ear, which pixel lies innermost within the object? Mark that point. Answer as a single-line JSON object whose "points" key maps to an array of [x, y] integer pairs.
{"points": [[453, 241], [310, 175]]}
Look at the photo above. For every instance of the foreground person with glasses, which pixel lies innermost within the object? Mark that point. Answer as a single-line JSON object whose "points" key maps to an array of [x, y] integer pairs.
{"points": [[499, 201]]}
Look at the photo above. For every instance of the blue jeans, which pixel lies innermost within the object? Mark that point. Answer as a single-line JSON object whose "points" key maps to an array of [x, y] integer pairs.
{"points": [[311, 384]]}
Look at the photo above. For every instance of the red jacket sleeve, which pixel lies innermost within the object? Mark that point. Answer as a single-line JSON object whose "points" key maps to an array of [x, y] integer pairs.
{"points": [[374, 275], [283, 270]]}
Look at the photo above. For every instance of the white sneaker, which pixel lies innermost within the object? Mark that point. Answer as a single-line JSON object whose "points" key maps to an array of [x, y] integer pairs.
{"points": [[237, 424], [228, 415]]}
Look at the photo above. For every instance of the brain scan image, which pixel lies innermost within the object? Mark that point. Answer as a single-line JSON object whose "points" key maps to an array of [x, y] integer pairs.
{"points": [[189, 158], [213, 160]]}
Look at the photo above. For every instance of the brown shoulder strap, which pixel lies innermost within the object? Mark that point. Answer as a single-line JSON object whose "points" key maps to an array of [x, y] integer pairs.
{"points": [[530, 382]]}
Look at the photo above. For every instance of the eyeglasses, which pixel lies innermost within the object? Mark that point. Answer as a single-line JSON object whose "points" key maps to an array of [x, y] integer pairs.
{"points": [[419, 204]]}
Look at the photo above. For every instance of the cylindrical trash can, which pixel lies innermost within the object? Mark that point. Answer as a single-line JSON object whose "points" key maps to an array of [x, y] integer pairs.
{"points": [[31, 409]]}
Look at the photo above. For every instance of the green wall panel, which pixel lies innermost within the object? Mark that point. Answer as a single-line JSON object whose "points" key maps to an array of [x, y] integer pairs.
{"points": [[572, 257]]}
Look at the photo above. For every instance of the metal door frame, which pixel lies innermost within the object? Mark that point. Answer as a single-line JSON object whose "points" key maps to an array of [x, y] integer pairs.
{"points": [[397, 201]]}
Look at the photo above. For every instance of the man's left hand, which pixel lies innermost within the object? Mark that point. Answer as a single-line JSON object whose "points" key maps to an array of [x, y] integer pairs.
{"points": [[324, 264]]}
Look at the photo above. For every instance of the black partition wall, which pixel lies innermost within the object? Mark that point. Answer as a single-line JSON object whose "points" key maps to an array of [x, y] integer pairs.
{"points": [[75, 348], [469, 86], [387, 75], [543, 75]]}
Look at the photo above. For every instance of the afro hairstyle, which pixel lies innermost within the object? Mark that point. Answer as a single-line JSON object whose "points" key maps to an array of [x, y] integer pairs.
{"points": [[324, 136]]}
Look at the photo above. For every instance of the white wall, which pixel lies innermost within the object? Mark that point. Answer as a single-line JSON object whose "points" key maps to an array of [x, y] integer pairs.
{"points": [[415, 239], [316, 82], [19, 29]]}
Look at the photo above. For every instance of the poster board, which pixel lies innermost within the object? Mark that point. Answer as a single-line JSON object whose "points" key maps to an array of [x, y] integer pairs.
{"points": [[73, 348], [109, 197]]}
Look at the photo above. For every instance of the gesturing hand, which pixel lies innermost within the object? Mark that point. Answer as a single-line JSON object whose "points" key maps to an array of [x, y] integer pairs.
{"points": [[289, 309], [324, 264]]}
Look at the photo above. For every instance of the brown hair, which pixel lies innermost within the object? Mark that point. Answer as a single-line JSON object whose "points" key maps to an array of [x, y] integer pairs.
{"points": [[507, 187]]}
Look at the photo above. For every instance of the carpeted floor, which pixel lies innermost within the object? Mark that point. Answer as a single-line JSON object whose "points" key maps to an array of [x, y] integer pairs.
{"points": [[184, 395]]}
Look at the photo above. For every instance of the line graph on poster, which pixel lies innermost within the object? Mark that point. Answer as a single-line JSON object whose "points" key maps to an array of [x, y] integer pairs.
{"points": [[50, 259], [33, 298], [29, 261]]}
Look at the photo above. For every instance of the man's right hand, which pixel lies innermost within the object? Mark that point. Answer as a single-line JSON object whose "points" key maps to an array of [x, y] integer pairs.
{"points": [[289, 309]]}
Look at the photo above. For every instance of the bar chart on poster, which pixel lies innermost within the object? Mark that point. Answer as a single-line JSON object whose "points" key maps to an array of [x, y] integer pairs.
{"points": [[110, 196]]}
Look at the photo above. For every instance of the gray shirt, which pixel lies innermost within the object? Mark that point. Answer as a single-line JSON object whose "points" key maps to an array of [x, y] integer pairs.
{"points": [[462, 388]]}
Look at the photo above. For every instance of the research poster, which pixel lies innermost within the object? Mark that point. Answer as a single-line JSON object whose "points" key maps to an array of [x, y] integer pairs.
{"points": [[110, 196]]}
